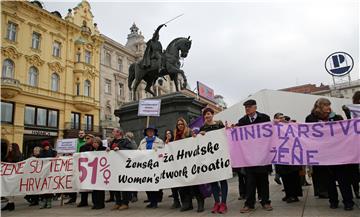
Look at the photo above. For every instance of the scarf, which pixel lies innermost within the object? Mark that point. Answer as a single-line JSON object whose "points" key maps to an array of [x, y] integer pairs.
{"points": [[149, 142]]}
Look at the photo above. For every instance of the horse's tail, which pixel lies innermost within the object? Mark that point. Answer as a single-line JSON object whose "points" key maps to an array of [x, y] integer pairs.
{"points": [[131, 75]]}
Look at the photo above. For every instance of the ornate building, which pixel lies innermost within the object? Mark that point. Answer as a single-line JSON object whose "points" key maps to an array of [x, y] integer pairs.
{"points": [[50, 73]]}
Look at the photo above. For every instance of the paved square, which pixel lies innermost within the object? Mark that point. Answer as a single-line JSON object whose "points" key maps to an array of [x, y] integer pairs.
{"points": [[308, 206]]}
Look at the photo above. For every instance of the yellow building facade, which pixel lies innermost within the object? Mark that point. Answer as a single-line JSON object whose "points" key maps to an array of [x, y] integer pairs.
{"points": [[50, 73]]}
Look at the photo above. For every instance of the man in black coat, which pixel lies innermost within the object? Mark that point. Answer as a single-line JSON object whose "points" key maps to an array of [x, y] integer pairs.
{"points": [[256, 176], [87, 147]]}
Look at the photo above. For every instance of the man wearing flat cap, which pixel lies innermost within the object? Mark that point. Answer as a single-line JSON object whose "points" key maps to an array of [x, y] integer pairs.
{"points": [[257, 176]]}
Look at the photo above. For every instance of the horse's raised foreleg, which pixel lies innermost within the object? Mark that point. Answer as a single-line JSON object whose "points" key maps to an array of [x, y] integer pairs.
{"points": [[148, 88], [137, 82]]}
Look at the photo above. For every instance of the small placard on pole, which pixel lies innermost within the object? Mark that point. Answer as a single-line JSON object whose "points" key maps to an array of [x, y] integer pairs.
{"points": [[149, 107]]}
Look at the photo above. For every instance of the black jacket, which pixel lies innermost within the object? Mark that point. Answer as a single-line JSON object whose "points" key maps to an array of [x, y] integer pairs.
{"points": [[86, 147], [261, 118], [216, 126], [49, 153], [122, 144], [314, 118], [100, 148]]}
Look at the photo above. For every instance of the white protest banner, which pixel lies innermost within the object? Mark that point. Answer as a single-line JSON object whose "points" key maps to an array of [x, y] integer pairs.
{"points": [[191, 161], [37, 176], [149, 107], [66, 145], [354, 110]]}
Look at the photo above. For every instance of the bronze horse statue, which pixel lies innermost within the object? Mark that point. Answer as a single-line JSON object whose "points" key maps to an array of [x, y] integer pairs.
{"points": [[177, 48]]}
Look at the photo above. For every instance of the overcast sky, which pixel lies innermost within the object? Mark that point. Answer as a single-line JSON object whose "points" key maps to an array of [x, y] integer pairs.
{"points": [[242, 47]]}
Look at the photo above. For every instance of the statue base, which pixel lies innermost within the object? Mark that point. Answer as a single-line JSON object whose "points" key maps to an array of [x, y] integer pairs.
{"points": [[173, 106]]}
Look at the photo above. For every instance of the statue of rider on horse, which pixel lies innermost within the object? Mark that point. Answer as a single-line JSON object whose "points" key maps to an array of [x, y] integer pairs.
{"points": [[156, 63]]}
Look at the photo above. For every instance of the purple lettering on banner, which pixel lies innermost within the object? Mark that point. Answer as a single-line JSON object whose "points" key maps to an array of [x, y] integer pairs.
{"points": [[345, 129], [267, 128], [321, 143], [258, 131], [283, 150], [356, 126], [317, 133], [309, 156], [251, 134], [234, 135], [305, 131], [278, 126], [299, 159], [330, 124], [241, 134], [289, 131], [273, 150]]}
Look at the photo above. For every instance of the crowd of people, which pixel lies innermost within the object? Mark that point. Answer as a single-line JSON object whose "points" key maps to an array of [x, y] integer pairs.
{"points": [[253, 181]]}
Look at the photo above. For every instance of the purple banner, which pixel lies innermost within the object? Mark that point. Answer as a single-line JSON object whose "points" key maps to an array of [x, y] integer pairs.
{"points": [[322, 143]]}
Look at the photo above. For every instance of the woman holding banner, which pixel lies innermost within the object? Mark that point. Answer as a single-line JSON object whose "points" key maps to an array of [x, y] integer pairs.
{"points": [[182, 131], [47, 152], [209, 125], [169, 137], [13, 156], [290, 175], [328, 175], [98, 196], [151, 142]]}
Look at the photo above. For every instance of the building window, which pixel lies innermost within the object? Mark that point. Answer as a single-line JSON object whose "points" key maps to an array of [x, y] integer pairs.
{"points": [[7, 110], [11, 31], [108, 59], [78, 57], [75, 120], [87, 87], [77, 89], [33, 76], [121, 90], [55, 82], [120, 65], [52, 118], [8, 69], [87, 57], [56, 49], [88, 121], [35, 41], [29, 115], [107, 86], [40, 117]]}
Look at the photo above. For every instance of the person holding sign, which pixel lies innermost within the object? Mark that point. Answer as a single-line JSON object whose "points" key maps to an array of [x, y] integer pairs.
{"points": [[98, 196], [354, 168], [46, 153], [257, 177], [209, 125], [87, 147], [120, 143], [79, 142], [151, 142], [13, 156], [182, 131], [328, 175], [169, 137]]}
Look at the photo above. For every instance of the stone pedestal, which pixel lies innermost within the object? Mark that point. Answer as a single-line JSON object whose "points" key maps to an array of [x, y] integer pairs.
{"points": [[173, 106]]}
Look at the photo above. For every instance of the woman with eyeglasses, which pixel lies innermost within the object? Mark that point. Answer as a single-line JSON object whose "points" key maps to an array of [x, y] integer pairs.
{"points": [[169, 137], [182, 131], [209, 125], [328, 175]]}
